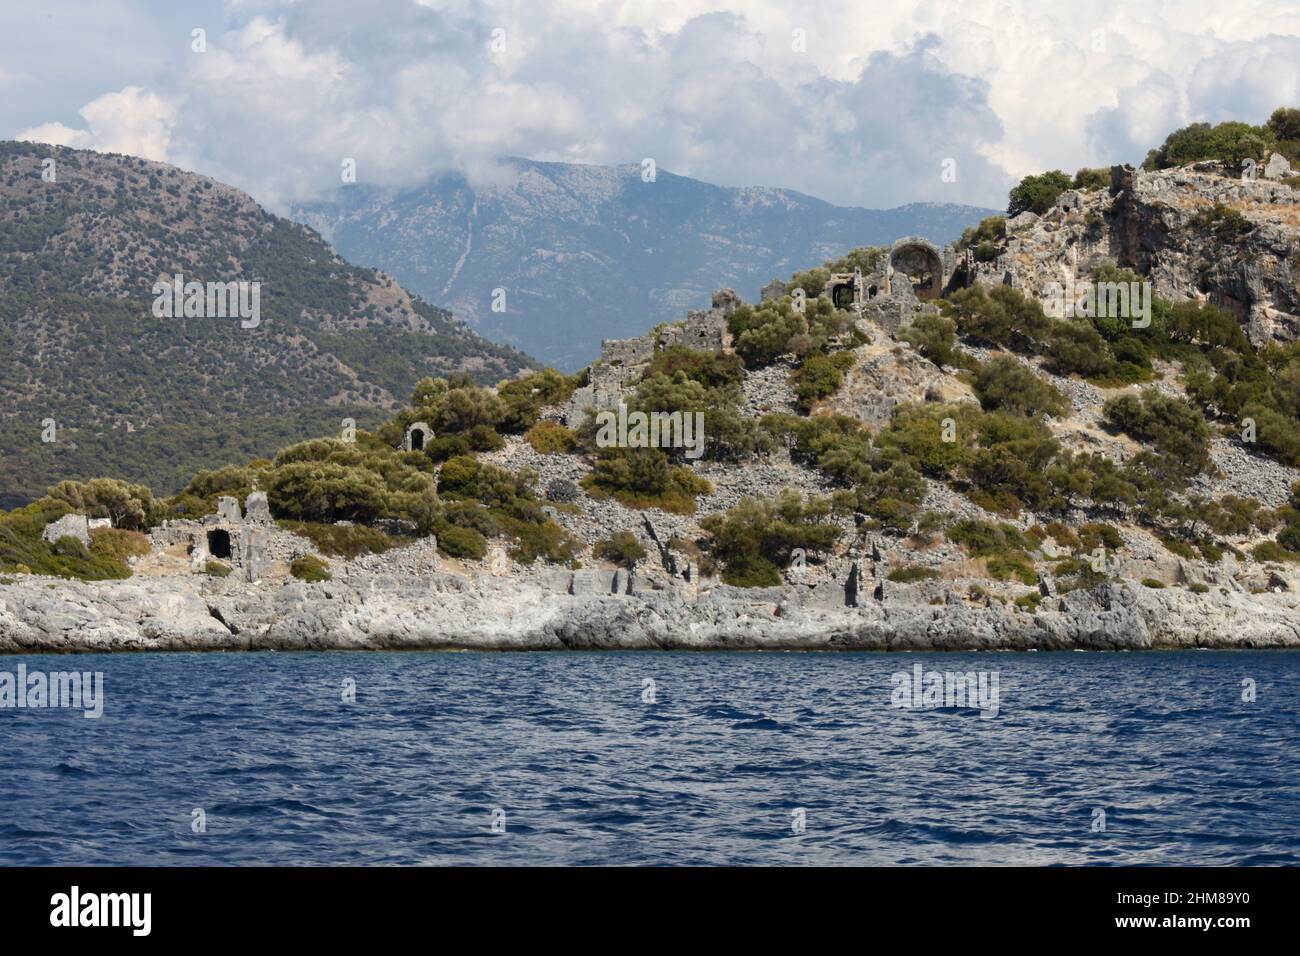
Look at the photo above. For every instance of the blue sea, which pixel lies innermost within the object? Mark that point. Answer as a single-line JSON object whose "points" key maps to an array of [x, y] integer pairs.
{"points": [[656, 758]]}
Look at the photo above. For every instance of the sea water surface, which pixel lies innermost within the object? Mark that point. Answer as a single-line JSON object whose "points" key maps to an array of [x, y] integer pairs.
{"points": [[580, 759]]}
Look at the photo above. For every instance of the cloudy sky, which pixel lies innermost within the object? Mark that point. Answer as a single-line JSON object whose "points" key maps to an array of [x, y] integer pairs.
{"points": [[858, 102]]}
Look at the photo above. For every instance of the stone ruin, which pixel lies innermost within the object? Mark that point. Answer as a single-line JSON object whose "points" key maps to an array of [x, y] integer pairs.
{"points": [[622, 361], [69, 526], [914, 272], [903, 285], [248, 542], [417, 437]]}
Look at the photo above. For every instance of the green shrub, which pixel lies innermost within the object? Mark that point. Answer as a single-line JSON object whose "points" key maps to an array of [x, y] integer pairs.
{"points": [[1176, 429], [524, 398], [207, 486], [69, 547], [1226, 223], [755, 539], [763, 333], [913, 572], [1029, 601], [1089, 180], [327, 480], [1037, 193], [709, 369], [127, 505], [982, 538], [1197, 588], [215, 569], [820, 376], [1004, 384], [730, 436], [309, 568], [918, 431], [1003, 567], [987, 235], [118, 544], [1063, 535], [621, 547], [1096, 534], [546, 540], [1271, 551], [1152, 583], [935, 337], [551, 438], [459, 542], [1002, 317], [1229, 143], [644, 478], [24, 549], [345, 541], [1077, 347]]}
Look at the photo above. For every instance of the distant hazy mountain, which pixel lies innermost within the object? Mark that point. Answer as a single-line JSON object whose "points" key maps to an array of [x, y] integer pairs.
{"points": [[592, 252], [83, 238]]}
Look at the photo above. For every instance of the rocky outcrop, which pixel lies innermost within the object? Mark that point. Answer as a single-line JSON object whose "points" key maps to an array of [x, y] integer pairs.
{"points": [[556, 610], [1170, 227]]}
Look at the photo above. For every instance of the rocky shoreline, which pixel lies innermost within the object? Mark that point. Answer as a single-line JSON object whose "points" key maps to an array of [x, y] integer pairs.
{"points": [[561, 610]]}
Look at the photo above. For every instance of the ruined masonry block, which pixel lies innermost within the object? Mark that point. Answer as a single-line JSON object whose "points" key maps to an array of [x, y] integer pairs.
{"points": [[228, 509], [257, 509], [71, 526]]}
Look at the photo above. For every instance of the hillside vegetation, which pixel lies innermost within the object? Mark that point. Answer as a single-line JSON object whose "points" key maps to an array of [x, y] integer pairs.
{"points": [[149, 399], [985, 441]]}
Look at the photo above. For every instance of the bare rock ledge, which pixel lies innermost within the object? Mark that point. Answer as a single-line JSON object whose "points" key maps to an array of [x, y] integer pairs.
{"points": [[559, 611]]}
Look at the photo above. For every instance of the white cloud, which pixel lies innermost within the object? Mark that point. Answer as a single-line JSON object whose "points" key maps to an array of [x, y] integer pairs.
{"points": [[865, 113], [129, 121]]}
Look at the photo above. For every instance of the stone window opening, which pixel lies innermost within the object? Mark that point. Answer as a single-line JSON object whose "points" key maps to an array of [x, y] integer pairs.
{"points": [[219, 543]]}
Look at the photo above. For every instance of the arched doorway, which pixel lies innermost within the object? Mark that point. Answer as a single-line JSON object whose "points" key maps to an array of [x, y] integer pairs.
{"points": [[920, 261]]}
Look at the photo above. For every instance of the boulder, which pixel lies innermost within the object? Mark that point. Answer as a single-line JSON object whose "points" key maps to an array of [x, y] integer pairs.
{"points": [[1276, 167]]}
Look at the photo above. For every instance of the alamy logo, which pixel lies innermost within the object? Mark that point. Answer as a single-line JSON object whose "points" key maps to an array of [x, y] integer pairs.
{"points": [[1123, 300], [37, 690], [103, 909], [925, 690], [208, 300], [624, 429]]}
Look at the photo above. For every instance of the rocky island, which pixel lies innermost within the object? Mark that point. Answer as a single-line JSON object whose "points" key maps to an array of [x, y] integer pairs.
{"points": [[1077, 427]]}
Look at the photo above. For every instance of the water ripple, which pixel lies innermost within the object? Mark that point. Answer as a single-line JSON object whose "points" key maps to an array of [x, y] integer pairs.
{"points": [[562, 754]]}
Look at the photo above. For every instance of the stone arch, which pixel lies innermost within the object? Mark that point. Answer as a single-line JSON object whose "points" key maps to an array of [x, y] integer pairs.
{"points": [[922, 262], [842, 294], [417, 438]]}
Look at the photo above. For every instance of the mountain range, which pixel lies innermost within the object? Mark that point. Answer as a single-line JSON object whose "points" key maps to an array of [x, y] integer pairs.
{"points": [[93, 382], [554, 257]]}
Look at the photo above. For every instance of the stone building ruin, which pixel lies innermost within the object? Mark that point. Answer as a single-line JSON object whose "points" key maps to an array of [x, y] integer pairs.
{"points": [[417, 437], [622, 361], [914, 269], [248, 541]]}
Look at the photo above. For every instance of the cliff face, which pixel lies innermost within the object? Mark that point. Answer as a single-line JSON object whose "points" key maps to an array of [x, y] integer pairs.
{"points": [[1194, 232], [561, 610]]}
